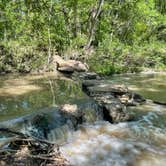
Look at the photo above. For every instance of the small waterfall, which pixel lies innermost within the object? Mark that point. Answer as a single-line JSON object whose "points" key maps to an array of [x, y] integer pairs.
{"points": [[57, 126], [91, 112]]}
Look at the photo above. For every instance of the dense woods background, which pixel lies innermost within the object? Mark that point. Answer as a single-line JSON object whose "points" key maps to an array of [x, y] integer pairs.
{"points": [[112, 36]]}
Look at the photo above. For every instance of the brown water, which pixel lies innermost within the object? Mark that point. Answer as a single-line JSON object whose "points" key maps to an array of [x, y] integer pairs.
{"points": [[141, 142]]}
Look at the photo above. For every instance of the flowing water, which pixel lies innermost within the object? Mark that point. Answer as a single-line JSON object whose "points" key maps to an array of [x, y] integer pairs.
{"points": [[141, 142]]}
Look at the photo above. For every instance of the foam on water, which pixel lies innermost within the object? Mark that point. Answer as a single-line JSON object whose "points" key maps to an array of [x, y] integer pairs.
{"points": [[103, 144]]}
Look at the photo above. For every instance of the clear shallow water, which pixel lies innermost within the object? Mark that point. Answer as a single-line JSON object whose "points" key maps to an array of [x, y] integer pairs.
{"points": [[151, 86], [141, 142], [22, 95]]}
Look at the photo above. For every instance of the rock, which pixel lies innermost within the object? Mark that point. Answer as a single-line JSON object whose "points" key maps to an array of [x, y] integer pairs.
{"points": [[88, 110], [71, 109], [138, 98], [66, 69], [124, 98], [115, 112], [69, 65], [114, 88], [78, 66], [105, 99], [113, 109], [107, 89], [89, 76], [90, 83], [113, 98]]}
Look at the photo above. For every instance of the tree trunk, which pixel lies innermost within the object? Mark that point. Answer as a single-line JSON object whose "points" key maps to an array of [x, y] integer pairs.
{"points": [[49, 35], [75, 10], [93, 24], [66, 18]]}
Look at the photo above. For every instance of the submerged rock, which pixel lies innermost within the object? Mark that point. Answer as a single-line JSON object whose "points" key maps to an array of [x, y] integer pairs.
{"points": [[138, 98], [159, 102]]}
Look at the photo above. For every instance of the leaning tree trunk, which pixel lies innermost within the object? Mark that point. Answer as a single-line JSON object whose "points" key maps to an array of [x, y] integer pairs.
{"points": [[49, 34], [75, 10], [93, 24]]}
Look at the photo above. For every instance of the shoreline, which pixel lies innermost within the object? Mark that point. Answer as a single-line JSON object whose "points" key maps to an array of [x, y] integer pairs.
{"points": [[146, 71]]}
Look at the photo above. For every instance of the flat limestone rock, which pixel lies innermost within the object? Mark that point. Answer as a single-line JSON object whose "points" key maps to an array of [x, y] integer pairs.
{"points": [[108, 88]]}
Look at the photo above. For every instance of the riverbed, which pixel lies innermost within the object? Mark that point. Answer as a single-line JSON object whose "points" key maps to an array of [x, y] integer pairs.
{"points": [[141, 142]]}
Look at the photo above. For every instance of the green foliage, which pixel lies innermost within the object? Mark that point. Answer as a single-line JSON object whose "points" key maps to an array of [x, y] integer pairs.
{"points": [[22, 58], [128, 35]]}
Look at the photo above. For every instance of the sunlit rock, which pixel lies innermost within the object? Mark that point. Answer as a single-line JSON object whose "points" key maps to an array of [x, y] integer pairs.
{"points": [[96, 87], [115, 112], [113, 98], [69, 66]]}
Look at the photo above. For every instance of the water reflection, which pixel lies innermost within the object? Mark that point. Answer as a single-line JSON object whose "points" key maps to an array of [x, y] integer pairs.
{"points": [[23, 95]]}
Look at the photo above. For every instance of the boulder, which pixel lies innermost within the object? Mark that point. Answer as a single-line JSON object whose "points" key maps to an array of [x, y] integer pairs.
{"points": [[85, 110], [113, 88], [69, 66], [78, 65], [66, 69], [115, 112]]}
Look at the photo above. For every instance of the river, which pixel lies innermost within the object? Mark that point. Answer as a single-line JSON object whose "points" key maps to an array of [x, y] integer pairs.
{"points": [[141, 142]]}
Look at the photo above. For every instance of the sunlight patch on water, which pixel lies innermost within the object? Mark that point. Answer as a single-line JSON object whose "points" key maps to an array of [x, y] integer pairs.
{"points": [[17, 87], [147, 107], [151, 86], [135, 88], [18, 90]]}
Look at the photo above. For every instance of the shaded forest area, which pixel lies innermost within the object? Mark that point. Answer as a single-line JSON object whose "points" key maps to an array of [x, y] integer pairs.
{"points": [[112, 36]]}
